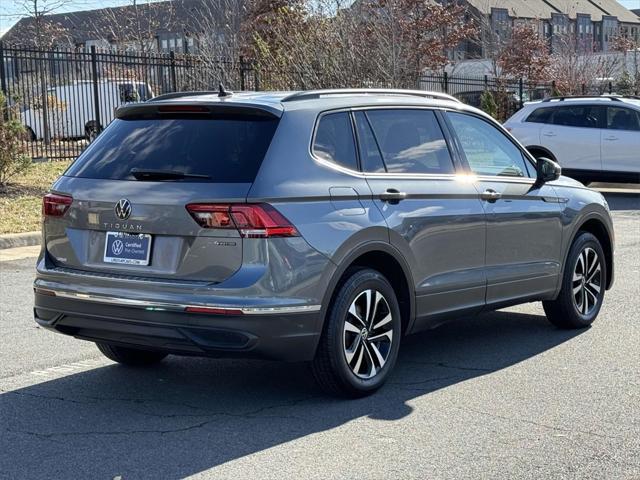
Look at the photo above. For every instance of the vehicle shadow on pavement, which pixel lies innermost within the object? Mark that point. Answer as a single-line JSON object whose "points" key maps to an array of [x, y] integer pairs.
{"points": [[189, 415]]}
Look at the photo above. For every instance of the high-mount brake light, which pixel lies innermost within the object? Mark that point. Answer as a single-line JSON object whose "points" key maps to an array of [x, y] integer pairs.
{"points": [[55, 205], [257, 220], [183, 109]]}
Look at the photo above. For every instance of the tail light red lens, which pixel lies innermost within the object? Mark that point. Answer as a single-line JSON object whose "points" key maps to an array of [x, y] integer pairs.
{"points": [[211, 216], [258, 220], [55, 205]]}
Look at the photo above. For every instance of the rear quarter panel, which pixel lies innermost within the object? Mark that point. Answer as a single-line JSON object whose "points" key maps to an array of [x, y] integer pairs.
{"points": [[333, 210]]}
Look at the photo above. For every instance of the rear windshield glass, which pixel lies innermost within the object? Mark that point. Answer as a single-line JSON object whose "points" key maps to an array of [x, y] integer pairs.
{"points": [[225, 149]]}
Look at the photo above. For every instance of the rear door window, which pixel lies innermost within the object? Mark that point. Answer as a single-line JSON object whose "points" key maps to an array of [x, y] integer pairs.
{"points": [[227, 149], [582, 116], [334, 140], [411, 141]]}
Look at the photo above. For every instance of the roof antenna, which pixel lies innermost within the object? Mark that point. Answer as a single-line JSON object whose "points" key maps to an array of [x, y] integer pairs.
{"points": [[222, 92]]}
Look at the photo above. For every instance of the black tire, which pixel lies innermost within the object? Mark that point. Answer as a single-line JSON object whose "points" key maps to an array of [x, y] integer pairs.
{"points": [[130, 356], [373, 355], [569, 310]]}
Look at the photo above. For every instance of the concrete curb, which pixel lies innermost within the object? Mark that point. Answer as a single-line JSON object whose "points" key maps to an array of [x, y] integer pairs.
{"points": [[12, 240]]}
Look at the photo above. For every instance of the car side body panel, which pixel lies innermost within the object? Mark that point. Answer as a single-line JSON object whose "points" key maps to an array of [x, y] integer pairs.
{"points": [[440, 229], [524, 236]]}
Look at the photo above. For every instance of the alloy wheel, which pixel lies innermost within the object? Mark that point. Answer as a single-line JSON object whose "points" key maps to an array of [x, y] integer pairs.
{"points": [[368, 334], [587, 281]]}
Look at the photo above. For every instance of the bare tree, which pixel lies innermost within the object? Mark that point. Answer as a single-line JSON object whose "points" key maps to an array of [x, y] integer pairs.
{"points": [[41, 31], [324, 43], [135, 24], [576, 73], [215, 34], [629, 47], [526, 54]]}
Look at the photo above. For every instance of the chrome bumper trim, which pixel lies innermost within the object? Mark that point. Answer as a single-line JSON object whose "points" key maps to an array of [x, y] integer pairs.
{"points": [[151, 305]]}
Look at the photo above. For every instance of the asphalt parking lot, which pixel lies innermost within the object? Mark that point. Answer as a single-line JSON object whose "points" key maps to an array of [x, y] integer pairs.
{"points": [[504, 395]]}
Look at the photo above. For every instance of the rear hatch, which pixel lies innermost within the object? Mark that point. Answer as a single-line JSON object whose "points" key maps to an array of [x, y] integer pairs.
{"points": [[152, 195]]}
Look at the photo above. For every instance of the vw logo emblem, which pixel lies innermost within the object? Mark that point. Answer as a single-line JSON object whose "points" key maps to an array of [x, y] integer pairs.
{"points": [[117, 247], [123, 209]]}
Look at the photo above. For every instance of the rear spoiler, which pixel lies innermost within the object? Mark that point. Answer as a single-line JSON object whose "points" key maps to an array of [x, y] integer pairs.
{"points": [[195, 109]]}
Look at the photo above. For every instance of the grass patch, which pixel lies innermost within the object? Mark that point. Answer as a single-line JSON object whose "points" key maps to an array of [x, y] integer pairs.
{"points": [[21, 201]]}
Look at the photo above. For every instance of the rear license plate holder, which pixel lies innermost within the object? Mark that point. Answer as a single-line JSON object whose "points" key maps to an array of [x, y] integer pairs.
{"points": [[127, 248]]}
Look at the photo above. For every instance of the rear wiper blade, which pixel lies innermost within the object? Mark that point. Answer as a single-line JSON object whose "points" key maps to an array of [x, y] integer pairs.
{"points": [[146, 174]]}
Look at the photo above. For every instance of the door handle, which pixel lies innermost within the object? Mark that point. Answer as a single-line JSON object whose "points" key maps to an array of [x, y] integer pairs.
{"points": [[549, 134], [490, 195], [611, 138], [392, 196]]}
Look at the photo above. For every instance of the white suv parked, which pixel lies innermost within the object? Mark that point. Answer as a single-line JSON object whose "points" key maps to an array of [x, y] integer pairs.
{"points": [[592, 138]]}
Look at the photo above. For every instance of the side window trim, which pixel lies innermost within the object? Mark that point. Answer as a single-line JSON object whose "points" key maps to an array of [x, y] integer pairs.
{"points": [[359, 141], [467, 167], [455, 149], [375, 139], [356, 141]]}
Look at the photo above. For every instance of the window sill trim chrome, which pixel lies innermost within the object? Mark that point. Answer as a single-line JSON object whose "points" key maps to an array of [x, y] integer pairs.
{"points": [[498, 178], [160, 306]]}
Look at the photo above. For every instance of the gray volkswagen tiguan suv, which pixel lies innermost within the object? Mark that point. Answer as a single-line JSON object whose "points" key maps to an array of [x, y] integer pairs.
{"points": [[320, 226]]}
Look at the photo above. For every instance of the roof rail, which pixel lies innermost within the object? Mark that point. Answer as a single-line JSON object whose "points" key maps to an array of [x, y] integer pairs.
{"points": [[315, 94], [169, 96], [613, 98]]}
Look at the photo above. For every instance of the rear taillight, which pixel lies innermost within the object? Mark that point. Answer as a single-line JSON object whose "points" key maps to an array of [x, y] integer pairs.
{"points": [[258, 220], [54, 205]]}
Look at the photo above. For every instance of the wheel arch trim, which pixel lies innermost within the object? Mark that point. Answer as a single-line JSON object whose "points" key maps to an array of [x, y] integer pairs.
{"points": [[348, 261], [608, 250]]}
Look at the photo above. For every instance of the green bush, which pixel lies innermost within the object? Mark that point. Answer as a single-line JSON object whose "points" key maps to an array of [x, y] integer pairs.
{"points": [[488, 104], [13, 160], [625, 84]]}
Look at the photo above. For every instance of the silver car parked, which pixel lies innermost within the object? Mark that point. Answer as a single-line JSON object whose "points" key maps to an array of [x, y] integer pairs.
{"points": [[320, 226]]}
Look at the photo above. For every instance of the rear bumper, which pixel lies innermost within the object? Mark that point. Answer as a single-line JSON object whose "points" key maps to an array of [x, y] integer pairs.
{"points": [[280, 333]]}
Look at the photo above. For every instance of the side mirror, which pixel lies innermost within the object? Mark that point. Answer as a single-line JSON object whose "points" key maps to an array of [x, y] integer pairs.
{"points": [[547, 170]]}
